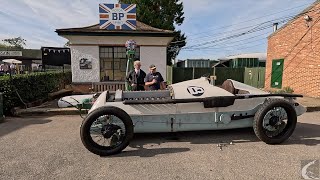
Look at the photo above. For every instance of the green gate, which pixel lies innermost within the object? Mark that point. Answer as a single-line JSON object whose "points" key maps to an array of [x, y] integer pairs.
{"points": [[276, 74], [255, 77], [224, 73], [180, 74]]}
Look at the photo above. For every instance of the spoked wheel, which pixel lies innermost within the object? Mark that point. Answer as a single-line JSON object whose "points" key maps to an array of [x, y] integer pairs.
{"points": [[275, 121], [106, 131]]}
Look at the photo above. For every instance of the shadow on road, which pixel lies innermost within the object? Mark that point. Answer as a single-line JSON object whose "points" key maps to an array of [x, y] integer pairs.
{"points": [[13, 124], [143, 152], [305, 134]]}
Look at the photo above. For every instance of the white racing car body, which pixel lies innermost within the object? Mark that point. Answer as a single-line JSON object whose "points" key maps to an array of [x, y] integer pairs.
{"points": [[190, 106], [162, 115]]}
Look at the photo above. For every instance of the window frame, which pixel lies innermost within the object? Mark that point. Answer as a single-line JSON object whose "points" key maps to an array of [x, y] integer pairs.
{"points": [[114, 53]]}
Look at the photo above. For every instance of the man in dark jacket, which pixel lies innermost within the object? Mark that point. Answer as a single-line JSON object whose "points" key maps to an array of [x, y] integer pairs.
{"points": [[136, 77]]}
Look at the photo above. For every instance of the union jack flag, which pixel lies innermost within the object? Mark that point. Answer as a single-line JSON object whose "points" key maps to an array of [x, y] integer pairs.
{"points": [[117, 16]]}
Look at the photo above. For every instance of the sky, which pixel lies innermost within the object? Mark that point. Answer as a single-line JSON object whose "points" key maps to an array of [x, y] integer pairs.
{"points": [[214, 28]]}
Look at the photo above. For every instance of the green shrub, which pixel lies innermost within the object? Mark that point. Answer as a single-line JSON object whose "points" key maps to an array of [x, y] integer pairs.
{"points": [[31, 87], [284, 90]]}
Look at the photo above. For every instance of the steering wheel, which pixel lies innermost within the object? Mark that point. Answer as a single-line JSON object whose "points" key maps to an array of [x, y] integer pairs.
{"points": [[207, 75]]}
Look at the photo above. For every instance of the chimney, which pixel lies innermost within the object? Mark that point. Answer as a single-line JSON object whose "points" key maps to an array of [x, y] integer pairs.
{"points": [[275, 27]]}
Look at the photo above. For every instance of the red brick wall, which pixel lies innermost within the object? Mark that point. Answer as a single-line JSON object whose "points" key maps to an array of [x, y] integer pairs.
{"points": [[301, 69]]}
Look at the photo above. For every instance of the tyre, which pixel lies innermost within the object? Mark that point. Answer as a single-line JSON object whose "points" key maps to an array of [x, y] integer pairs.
{"points": [[106, 131], [275, 121]]}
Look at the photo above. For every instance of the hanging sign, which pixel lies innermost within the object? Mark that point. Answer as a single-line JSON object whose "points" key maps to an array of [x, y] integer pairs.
{"points": [[10, 53]]}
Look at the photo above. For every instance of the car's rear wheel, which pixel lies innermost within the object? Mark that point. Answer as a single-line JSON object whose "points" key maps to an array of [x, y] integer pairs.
{"points": [[275, 121], [106, 131]]}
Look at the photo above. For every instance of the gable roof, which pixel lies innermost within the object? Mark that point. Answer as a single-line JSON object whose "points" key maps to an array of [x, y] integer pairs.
{"points": [[141, 30], [295, 17]]}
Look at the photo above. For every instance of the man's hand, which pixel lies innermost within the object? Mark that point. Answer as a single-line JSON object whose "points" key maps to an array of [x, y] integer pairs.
{"points": [[151, 83], [133, 85], [154, 81]]}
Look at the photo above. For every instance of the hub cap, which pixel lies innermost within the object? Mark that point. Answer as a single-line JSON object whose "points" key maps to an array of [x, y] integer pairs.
{"points": [[107, 131], [275, 121]]}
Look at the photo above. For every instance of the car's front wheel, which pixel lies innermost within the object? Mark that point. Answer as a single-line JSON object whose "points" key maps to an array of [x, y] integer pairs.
{"points": [[106, 131], [275, 121]]}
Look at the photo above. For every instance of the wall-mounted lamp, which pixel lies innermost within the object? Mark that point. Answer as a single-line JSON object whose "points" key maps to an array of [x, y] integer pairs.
{"points": [[308, 20]]}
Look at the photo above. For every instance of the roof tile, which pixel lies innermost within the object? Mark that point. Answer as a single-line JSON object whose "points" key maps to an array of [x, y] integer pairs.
{"points": [[141, 27]]}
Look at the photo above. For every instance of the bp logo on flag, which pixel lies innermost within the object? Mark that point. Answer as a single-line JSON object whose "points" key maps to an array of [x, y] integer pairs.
{"points": [[117, 16]]}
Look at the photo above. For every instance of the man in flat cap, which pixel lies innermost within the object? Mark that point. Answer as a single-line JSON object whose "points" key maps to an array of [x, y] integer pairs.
{"points": [[154, 80]]}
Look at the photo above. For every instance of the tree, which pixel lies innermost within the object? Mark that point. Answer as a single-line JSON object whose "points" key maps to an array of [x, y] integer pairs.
{"points": [[18, 42], [3, 45], [163, 14]]}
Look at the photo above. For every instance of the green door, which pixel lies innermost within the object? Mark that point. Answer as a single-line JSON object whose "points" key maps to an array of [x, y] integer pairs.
{"points": [[276, 74]]}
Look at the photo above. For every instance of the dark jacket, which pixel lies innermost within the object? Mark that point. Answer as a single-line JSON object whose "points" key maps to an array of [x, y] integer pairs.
{"points": [[133, 78]]}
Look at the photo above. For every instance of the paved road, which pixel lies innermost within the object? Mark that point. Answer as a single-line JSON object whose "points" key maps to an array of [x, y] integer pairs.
{"points": [[50, 148]]}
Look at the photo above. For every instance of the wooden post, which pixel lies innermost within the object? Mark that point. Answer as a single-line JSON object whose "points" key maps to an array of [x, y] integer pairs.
{"points": [[17, 68], [214, 74], [193, 73]]}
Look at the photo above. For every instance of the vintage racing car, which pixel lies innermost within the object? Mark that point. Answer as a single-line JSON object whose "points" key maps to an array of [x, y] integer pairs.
{"points": [[188, 106]]}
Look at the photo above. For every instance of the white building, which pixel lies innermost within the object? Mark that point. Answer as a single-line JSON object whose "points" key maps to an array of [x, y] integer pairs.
{"points": [[104, 52], [204, 63], [244, 60]]}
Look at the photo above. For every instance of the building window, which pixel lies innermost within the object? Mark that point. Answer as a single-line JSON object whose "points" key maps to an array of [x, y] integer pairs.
{"points": [[113, 63]]}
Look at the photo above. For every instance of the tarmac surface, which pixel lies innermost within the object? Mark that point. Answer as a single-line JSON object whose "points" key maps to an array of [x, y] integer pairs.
{"points": [[312, 104], [50, 148]]}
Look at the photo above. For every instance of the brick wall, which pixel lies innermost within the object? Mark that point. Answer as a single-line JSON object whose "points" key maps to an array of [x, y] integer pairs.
{"points": [[301, 69], [302, 61]]}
